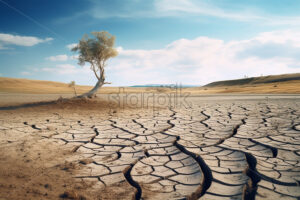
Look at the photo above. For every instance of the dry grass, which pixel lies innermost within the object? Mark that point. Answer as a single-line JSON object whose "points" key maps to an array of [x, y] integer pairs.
{"points": [[256, 80], [287, 87], [13, 85]]}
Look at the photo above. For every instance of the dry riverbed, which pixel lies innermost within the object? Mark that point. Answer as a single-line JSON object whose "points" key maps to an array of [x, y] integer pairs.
{"points": [[216, 147]]}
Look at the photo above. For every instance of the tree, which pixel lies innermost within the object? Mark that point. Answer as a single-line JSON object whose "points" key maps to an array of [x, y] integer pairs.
{"points": [[72, 85], [96, 51]]}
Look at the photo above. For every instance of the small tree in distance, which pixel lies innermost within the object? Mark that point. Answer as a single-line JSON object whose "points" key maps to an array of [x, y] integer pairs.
{"points": [[96, 51], [72, 85]]}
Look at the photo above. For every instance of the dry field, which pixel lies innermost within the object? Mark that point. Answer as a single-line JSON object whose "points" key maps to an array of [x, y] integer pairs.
{"points": [[203, 147], [24, 86], [288, 87]]}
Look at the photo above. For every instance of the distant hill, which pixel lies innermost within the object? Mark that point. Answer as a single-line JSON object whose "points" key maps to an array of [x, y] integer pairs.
{"points": [[256, 80], [17, 85]]}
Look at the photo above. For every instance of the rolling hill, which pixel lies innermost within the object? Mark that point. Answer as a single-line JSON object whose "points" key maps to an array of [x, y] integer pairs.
{"points": [[256, 80]]}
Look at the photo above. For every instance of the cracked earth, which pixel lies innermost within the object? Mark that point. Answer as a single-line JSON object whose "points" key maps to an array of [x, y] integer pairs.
{"points": [[233, 149]]}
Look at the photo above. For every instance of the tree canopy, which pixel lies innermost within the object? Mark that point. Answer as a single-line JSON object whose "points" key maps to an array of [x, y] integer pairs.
{"points": [[96, 51]]}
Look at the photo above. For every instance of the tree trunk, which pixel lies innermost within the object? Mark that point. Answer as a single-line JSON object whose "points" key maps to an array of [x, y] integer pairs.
{"points": [[93, 91], [75, 91]]}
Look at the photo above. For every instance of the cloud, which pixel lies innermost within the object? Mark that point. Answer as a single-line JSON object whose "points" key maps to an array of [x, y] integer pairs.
{"points": [[58, 58], [182, 8], [62, 57], [74, 57], [205, 59], [207, 8], [9, 39], [71, 46], [63, 69], [25, 73], [161, 8], [193, 7]]}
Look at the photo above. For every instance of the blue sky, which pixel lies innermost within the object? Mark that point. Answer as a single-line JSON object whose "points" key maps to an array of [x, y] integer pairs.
{"points": [[159, 41]]}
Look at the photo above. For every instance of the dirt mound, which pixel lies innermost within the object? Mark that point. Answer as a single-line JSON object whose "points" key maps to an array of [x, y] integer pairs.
{"points": [[83, 103]]}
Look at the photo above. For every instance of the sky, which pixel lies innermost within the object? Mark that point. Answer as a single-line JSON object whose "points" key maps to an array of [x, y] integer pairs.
{"points": [[159, 41]]}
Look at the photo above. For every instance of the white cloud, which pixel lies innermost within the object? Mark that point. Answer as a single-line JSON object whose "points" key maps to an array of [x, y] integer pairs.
{"points": [[25, 73], [74, 57], [193, 7], [180, 8], [206, 8], [9, 39], [280, 37], [63, 69], [165, 8], [71, 46], [204, 59], [62, 57]]}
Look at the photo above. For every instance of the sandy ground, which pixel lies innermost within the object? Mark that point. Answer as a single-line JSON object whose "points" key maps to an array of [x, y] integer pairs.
{"points": [[35, 166], [207, 147], [12, 99]]}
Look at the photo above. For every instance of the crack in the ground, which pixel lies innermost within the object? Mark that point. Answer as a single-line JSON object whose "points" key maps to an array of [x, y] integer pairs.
{"points": [[163, 153], [138, 192], [251, 187], [205, 169]]}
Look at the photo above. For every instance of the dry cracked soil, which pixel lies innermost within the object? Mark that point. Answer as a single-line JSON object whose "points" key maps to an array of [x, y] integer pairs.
{"points": [[215, 148]]}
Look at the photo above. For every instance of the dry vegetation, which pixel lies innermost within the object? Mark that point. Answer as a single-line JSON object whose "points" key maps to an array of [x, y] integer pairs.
{"points": [[25, 86], [287, 87], [257, 80], [14, 85]]}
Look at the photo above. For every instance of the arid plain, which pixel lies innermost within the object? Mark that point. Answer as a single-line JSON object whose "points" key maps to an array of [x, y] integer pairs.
{"points": [[163, 144]]}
